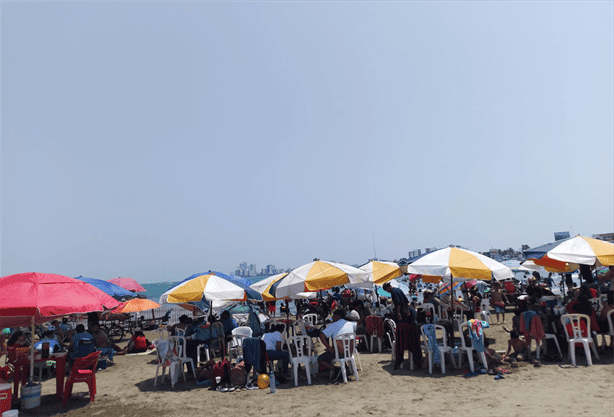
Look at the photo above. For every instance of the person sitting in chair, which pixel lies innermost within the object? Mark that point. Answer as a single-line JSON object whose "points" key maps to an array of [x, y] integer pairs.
{"points": [[81, 345], [338, 327], [102, 342]]}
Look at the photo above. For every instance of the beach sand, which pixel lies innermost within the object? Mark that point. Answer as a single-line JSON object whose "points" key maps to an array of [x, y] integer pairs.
{"points": [[126, 390]]}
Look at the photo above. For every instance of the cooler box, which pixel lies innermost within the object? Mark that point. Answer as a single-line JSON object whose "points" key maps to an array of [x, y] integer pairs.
{"points": [[6, 397]]}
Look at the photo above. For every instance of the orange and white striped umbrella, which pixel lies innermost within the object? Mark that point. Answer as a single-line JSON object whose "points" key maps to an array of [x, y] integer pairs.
{"points": [[381, 272], [583, 250]]}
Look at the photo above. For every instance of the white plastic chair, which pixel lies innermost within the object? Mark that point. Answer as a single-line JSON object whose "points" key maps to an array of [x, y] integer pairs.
{"points": [[575, 320], [373, 337], [443, 348], [596, 304], [236, 345], [302, 344], [179, 332], [392, 336], [428, 307], [173, 366], [469, 350], [163, 333], [348, 341], [311, 319], [610, 333], [179, 343], [485, 310]]}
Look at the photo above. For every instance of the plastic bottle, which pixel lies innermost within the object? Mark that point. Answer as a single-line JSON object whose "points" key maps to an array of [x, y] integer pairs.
{"points": [[272, 383]]}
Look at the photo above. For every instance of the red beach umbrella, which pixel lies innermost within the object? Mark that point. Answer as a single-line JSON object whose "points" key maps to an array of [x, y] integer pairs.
{"points": [[33, 297], [128, 284]]}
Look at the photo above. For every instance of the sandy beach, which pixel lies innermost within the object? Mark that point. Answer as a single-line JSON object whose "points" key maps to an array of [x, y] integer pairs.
{"points": [[126, 390]]}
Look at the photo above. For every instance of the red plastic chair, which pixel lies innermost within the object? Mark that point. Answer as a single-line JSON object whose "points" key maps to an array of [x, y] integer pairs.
{"points": [[83, 370]]}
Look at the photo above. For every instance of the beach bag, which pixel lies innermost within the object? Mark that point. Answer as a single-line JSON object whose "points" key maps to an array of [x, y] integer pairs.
{"points": [[221, 369], [500, 304], [238, 375]]}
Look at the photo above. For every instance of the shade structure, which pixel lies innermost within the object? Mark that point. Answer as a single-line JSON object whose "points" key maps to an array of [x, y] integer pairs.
{"points": [[128, 284], [583, 250], [461, 263], [33, 298], [381, 272], [47, 296], [444, 288], [208, 287], [134, 305], [315, 276], [107, 287], [265, 285]]}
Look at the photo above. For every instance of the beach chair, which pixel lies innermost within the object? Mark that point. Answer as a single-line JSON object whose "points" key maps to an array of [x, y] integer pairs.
{"points": [[375, 329], [164, 359], [610, 318], [346, 343], [179, 343], [430, 308], [597, 305], [579, 331], [443, 348], [302, 356], [392, 335], [485, 310], [236, 344], [83, 370], [219, 343], [469, 351], [311, 320]]}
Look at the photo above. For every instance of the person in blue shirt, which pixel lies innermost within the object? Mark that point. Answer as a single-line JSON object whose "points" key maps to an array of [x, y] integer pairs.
{"points": [[48, 337], [403, 312], [81, 345], [229, 323]]}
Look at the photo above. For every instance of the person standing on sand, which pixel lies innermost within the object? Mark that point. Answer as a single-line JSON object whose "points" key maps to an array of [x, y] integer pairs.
{"points": [[498, 299], [400, 301]]}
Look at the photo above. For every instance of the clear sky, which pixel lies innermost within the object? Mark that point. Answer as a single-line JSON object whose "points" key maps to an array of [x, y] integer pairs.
{"points": [[159, 139]]}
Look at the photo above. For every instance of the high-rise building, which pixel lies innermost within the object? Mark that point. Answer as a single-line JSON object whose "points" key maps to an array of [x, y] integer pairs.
{"points": [[415, 253]]}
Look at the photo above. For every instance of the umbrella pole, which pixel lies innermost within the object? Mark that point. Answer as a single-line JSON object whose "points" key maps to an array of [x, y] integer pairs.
{"points": [[32, 353], [452, 314]]}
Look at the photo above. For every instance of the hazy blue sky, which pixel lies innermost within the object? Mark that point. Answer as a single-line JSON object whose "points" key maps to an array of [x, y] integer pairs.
{"points": [[156, 140]]}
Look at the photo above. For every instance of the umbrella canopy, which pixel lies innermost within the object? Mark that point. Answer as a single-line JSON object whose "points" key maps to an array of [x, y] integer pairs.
{"points": [[381, 272], [47, 296], [265, 285], [208, 287], [128, 284], [445, 287], [539, 256], [461, 263], [32, 297], [107, 287], [583, 250], [315, 276], [134, 305]]}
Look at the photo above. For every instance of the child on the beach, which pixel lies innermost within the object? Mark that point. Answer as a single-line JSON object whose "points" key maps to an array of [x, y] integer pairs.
{"points": [[518, 345]]}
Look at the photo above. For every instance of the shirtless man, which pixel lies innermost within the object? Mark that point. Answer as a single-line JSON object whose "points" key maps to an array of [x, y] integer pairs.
{"points": [[102, 342]]}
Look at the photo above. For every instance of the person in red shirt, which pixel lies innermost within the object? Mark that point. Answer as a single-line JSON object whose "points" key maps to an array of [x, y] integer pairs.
{"points": [[138, 343]]}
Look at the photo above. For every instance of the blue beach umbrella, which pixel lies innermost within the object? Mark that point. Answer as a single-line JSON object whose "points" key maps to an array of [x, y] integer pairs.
{"points": [[107, 287]]}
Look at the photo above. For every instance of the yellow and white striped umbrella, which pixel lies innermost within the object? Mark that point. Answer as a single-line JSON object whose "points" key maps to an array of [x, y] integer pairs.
{"points": [[265, 285], [379, 272], [316, 276], [584, 250], [207, 287], [461, 263]]}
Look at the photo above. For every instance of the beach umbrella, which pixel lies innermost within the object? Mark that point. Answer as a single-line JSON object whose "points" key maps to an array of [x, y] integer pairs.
{"points": [[128, 284], [459, 263], [264, 286], [315, 276], [32, 298], [583, 250], [445, 287], [208, 287], [381, 272], [107, 287], [134, 305]]}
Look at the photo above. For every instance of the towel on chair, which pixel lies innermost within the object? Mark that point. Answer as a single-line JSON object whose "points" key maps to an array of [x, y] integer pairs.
{"points": [[374, 325], [408, 339], [254, 354], [431, 335], [475, 333]]}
